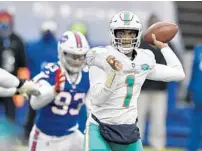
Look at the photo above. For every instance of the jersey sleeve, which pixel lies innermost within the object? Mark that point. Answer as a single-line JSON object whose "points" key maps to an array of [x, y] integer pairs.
{"points": [[173, 71], [47, 94], [98, 91], [96, 57]]}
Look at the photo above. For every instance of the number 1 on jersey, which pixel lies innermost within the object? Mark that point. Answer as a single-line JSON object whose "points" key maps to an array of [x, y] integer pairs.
{"points": [[130, 83]]}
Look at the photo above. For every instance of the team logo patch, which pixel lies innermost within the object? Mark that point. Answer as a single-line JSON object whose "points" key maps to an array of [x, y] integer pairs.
{"points": [[145, 67]]}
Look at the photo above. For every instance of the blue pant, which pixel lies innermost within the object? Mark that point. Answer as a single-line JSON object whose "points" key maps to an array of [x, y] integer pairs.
{"points": [[196, 128]]}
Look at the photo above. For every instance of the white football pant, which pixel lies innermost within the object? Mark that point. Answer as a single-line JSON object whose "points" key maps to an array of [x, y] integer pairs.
{"points": [[39, 141]]}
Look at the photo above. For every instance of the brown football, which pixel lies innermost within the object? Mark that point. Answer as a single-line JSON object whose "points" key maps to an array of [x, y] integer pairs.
{"points": [[164, 31]]}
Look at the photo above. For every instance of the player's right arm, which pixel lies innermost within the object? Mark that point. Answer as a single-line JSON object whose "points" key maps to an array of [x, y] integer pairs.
{"points": [[46, 87], [173, 71], [47, 94], [103, 77]]}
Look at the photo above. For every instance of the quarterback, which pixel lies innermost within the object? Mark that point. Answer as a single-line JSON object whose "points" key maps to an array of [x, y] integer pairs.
{"points": [[117, 73]]}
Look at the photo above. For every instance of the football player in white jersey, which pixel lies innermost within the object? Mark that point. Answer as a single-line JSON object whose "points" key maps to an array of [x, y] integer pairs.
{"points": [[10, 85], [117, 73]]}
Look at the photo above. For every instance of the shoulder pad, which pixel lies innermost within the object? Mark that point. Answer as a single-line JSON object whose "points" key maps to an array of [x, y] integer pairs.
{"points": [[148, 55], [97, 50], [147, 52], [94, 53]]}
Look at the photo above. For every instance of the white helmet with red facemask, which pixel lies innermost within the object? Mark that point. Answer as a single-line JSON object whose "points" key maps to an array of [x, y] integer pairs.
{"points": [[128, 21], [72, 50]]}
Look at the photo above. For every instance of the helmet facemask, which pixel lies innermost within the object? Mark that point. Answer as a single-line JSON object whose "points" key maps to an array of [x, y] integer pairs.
{"points": [[72, 50], [126, 22], [125, 40], [72, 63]]}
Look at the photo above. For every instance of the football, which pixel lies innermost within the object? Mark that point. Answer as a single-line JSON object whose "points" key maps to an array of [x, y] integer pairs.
{"points": [[164, 31]]}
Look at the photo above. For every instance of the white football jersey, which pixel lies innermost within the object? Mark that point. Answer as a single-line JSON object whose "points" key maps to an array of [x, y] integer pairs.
{"points": [[120, 107]]}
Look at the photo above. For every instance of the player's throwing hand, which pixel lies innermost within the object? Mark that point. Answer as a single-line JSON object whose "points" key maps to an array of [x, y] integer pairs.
{"points": [[157, 43]]}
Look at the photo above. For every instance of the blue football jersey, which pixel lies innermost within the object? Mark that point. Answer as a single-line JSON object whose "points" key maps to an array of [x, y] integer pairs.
{"points": [[61, 116]]}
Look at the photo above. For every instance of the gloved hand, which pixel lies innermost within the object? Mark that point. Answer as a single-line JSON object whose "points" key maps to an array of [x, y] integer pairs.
{"points": [[27, 87]]}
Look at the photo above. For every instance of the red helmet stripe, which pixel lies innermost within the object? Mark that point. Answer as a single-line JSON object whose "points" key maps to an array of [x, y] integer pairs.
{"points": [[78, 40]]}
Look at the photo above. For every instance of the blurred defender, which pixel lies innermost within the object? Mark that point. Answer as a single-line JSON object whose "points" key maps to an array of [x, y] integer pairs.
{"points": [[117, 73], [63, 86], [194, 93]]}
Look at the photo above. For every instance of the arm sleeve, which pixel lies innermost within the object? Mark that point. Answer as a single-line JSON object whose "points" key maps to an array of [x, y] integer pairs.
{"points": [[173, 71], [8, 80], [47, 95], [7, 92]]}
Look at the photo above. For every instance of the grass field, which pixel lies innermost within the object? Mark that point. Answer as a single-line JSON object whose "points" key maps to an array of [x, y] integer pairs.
{"points": [[169, 149], [21, 148]]}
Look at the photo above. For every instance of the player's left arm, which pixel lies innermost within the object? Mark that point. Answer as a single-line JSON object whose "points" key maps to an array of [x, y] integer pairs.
{"points": [[99, 92], [173, 71]]}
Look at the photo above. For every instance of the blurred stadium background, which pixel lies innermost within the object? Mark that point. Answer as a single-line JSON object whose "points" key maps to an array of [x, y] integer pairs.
{"points": [[28, 17]]}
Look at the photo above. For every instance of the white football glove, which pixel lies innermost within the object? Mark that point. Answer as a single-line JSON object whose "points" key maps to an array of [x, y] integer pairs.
{"points": [[28, 88]]}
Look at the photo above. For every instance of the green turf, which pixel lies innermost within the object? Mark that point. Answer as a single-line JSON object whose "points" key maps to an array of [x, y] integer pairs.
{"points": [[167, 149]]}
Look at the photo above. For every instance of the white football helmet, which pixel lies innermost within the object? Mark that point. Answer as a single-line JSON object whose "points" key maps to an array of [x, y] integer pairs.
{"points": [[125, 20], [72, 50]]}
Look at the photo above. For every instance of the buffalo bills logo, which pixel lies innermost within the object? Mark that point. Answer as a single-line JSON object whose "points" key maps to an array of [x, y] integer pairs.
{"points": [[64, 38]]}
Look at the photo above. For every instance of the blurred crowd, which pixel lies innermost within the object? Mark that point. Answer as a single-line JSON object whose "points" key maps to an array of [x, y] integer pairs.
{"points": [[159, 103]]}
